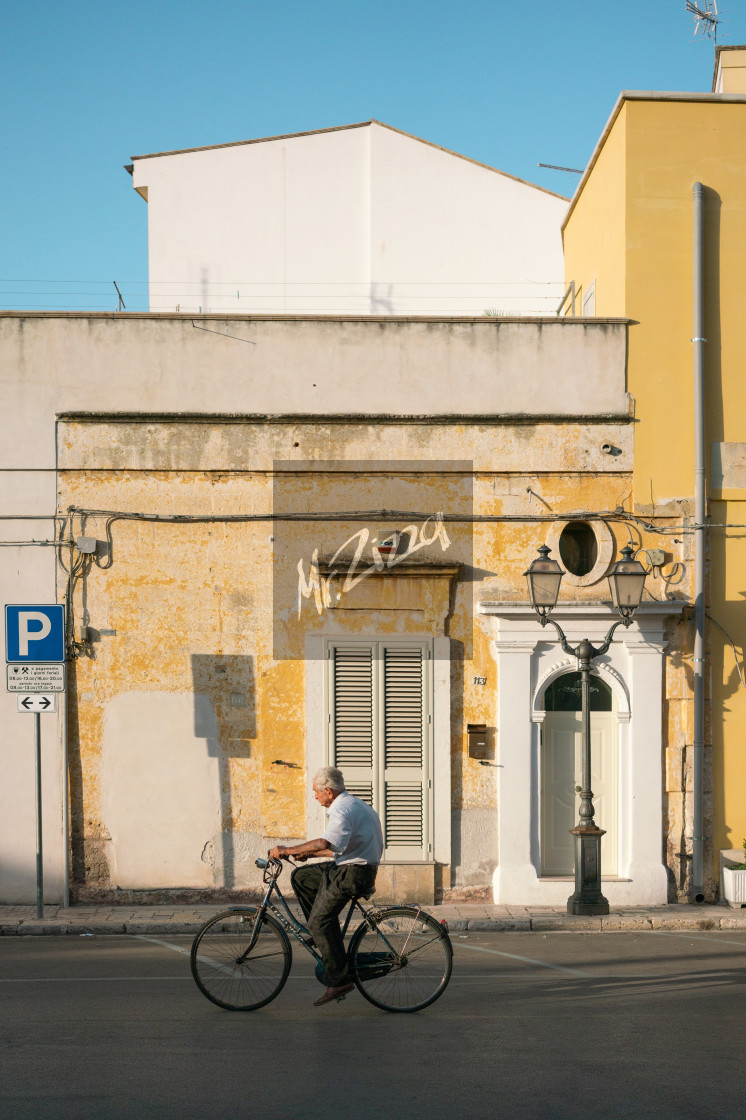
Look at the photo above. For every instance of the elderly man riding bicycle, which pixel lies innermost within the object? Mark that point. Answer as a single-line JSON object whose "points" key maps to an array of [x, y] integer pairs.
{"points": [[354, 839]]}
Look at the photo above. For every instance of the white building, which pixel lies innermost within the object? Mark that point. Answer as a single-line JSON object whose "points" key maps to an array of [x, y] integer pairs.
{"points": [[363, 219]]}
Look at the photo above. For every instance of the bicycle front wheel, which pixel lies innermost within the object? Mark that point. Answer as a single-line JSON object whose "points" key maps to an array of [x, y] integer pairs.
{"points": [[402, 961], [241, 961]]}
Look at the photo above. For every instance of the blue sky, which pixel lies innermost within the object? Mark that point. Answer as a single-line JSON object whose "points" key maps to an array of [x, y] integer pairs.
{"points": [[87, 85]]}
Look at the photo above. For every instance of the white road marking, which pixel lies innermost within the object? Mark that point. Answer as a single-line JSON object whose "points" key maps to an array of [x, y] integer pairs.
{"points": [[695, 937], [474, 948], [156, 979], [203, 957], [165, 944], [613, 983], [526, 960], [83, 979]]}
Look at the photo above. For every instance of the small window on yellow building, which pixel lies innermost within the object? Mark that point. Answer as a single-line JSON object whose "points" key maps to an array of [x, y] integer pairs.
{"points": [[578, 547]]}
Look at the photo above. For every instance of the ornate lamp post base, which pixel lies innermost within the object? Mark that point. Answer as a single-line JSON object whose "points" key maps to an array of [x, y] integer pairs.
{"points": [[587, 898]]}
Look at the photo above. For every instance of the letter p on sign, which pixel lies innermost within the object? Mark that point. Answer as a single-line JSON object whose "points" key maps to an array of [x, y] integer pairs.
{"points": [[27, 632], [34, 632]]}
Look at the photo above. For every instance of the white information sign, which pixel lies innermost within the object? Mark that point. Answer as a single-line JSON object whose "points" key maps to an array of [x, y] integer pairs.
{"points": [[36, 702], [36, 678]]}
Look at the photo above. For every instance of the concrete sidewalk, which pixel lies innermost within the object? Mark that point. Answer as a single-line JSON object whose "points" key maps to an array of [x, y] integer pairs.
{"points": [[94, 920]]}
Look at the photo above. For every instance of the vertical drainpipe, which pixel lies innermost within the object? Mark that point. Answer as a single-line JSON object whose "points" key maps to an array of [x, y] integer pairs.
{"points": [[699, 548]]}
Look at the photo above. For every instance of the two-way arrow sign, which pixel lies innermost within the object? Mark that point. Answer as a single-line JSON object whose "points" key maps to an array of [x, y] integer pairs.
{"points": [[36, 702]]}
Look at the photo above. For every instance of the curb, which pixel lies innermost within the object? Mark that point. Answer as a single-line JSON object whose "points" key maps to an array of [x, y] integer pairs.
{"points": [[614, 923], [163, 927]]}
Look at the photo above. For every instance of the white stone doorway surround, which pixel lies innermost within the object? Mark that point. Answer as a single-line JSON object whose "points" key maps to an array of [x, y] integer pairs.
{"points": [[529, 658]]}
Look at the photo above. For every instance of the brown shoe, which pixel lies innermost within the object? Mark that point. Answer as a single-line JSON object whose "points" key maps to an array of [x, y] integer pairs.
{"points": [[333, 993]]}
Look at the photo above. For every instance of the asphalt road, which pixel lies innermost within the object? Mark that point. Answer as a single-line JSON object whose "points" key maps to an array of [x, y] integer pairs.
{"points": [[531, 1026]]}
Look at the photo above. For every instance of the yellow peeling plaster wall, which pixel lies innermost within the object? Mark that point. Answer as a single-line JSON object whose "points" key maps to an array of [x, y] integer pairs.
{"points": [[638, 192], [188, 736], [595, 237]]}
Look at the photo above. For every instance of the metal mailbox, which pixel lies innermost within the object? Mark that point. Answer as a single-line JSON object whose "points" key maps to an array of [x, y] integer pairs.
{"points": [[476, 737]]}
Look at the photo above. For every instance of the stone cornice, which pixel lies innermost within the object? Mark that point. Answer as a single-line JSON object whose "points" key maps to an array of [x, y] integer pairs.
{"points": [[523, 611]]}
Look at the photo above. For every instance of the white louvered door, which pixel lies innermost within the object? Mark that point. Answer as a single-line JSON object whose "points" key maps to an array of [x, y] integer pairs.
{"points": [[353, 718], [403, 750], [380, 736]]}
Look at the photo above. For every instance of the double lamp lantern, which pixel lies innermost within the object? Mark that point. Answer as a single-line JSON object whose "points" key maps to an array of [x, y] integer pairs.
{"points": [[627, 582]]}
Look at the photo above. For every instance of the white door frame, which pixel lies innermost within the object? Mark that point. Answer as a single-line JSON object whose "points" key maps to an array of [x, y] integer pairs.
{"points": [[528, 658]]}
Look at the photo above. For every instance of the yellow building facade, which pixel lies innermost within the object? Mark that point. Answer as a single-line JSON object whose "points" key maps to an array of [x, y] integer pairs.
{"points": [[628, 240], [241, 620], [287, 541]]}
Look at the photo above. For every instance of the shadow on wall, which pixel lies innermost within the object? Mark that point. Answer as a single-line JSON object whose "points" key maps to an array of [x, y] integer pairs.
{"points": [[381, 299], [225, 717], [175, 773]]}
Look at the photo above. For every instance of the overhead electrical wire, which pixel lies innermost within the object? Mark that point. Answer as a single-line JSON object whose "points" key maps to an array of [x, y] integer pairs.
{"points": [[322, 516], [83, 561]]}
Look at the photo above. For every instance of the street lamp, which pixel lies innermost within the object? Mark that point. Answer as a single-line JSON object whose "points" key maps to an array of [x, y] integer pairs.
{"points": [[627, 581]]}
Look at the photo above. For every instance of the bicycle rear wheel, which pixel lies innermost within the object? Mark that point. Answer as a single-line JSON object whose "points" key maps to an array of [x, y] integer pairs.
{"points": [[233, 972], [403, 961]]}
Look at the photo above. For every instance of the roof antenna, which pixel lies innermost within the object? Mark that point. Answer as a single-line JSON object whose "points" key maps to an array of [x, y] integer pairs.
{"points": [[554, 167], [706, 18]]}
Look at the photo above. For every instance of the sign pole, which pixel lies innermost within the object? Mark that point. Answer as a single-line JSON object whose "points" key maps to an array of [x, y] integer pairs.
{"points": [[39, 862], [35, 656]]}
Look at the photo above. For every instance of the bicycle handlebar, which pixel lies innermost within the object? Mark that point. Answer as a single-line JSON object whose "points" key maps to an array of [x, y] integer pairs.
{"points": [[272, 867]]}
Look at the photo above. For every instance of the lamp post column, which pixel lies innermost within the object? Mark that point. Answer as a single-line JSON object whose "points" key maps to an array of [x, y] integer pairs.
{"points": [[626, 581], [587, 897]]}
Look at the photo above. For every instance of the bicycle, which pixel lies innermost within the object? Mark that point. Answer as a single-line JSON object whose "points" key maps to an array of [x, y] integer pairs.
{"points": [[399, 957]]}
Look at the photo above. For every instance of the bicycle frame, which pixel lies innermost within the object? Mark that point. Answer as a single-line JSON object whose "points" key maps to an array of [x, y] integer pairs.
{"points": [[291, 926], [286, 919]]}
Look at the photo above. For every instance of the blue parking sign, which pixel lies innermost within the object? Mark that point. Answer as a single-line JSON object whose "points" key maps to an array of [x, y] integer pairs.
{"points": [[34, 632]]}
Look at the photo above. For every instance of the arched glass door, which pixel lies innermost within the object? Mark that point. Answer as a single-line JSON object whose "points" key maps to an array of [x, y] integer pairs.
{"points": [[561, 749]]}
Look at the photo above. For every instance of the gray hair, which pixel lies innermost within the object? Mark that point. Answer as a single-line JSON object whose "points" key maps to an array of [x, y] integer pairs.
{"points": [[329, 777]]}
